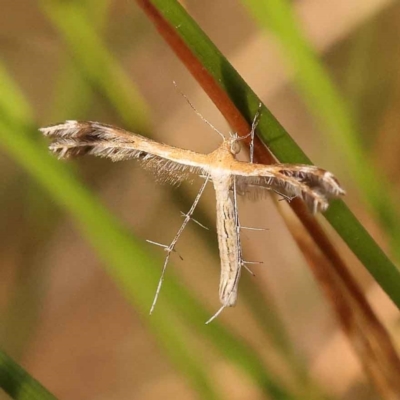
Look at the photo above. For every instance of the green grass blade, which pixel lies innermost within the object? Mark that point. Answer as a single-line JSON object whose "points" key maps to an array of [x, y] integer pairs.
{"points": [[72, 97], [280, 143], [73, 93], [98, 64], [12, 100], [17, 382], [96, 10]]}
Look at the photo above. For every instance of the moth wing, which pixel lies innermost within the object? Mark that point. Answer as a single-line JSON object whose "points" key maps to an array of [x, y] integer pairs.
{"points": [[74, 139], [314, 185]]}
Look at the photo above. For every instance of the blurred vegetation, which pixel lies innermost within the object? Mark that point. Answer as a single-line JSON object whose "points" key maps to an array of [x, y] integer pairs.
{"points": [[80, 65]]}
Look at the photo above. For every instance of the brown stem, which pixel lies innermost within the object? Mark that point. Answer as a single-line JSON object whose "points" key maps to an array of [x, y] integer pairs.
{"points": [[367, 335]]}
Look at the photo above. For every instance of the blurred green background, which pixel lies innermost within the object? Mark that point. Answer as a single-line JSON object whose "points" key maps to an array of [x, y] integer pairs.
{"points": [[77, 277]]}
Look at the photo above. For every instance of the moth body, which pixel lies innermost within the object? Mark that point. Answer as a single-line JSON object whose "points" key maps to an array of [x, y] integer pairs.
{"points": [[228, 239]]}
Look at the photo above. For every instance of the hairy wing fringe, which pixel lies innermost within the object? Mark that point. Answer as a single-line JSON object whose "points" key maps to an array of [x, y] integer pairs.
{"points": [[74, 139], [316, 178], [89, 131], [314, 185]]}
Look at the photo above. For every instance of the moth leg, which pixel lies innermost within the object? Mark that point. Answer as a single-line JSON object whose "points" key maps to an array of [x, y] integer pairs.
{"points": [[216, 314], [254, 124], [169, 249], [195, 220]]}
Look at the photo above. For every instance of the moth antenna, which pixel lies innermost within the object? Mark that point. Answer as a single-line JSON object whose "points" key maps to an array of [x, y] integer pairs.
{"points": [[171, 247], [198, 113]]}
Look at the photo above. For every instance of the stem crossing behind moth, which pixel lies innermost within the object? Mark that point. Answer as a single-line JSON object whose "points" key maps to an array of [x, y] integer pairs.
{"points": [[230, 177]]}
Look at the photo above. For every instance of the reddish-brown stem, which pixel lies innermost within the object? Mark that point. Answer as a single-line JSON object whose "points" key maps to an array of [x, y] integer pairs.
{"points": [[370, 340]]}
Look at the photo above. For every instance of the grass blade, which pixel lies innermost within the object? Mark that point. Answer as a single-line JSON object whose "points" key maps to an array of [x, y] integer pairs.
{"points": [[17, 382], [95, 60]]}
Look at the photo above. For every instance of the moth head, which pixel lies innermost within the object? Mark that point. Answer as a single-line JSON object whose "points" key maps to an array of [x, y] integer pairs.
{"points": [[234, 144]]}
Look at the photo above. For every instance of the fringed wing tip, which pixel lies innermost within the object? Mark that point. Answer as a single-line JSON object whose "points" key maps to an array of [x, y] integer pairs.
{"points": [[63, 129], [336, 189], [315, 186], [322, 186], [72, 139]]}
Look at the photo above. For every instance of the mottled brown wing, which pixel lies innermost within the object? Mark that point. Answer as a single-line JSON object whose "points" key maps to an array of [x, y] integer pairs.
{"points": [[312, 184]]}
